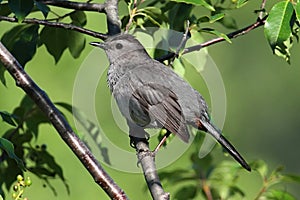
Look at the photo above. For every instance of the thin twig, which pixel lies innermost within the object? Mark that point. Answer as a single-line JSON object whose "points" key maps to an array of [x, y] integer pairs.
{"points": [[96, 7], [231, 35], [206, 189], [41, 99], [58, 17], [172, 55], [182, 42], [262, 9], [132, 14], [184, 38], [57, 25]]}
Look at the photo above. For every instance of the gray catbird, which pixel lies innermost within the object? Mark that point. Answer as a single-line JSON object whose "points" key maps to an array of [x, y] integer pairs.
{"points": [[151, 95]]}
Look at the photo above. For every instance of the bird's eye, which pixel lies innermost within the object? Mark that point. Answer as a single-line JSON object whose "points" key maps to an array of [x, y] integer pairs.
{"points": [[119, 46]]}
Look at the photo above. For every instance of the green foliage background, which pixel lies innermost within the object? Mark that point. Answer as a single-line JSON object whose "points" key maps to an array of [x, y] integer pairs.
{"points": [[263, 111]]}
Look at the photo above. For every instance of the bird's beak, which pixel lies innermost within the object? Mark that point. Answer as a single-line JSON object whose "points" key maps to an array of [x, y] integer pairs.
{"points": [[98, 44]]}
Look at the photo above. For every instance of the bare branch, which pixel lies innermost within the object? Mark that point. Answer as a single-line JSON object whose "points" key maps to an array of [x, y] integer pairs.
{"points": [[41, 99], [146, 159], [184, 38], [231, 35], [57, 25], [96, 7]]}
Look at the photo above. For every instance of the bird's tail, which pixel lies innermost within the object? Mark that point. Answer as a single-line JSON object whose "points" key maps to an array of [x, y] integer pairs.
{"points": [[223, 141]]}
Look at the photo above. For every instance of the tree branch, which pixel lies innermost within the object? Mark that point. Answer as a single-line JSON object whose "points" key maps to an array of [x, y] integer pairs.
{"points": [[61, 125], [112, 17], [231, 35], [138, 139], [57, 25], [110, 8], [96, 7], [146, 159]]}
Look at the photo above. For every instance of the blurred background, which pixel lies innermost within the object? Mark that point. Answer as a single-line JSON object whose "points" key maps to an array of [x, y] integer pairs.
{"points": [[262, 120]]}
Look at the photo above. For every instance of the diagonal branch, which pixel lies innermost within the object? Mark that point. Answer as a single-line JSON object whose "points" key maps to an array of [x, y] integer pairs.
{"points": [[96, 7], [41, 99], [232, 35], [57, 25], [235, 34]]}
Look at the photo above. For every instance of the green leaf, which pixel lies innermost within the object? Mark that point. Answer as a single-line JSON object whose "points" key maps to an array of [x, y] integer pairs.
{"points": [[217, 33], [291, 178], [228, 21], [21, 41], [241, 3], [2, 77], [55, 40], [8, 147], [278, 29], [199, 61], [182, 13], [30, 114], [66, 106], [223, 180], [186, 192], [216, 17], [261, 167], [211, 19], [45, 165], [297, 10], [179, 67], [78, 18], [197, 3], [36, 117], [42, 7], [21, 8], [8, 118], [278, 195], [201, 165], [234, 190], [169, 176], [76, 43], [154, 14], [4, 10], [277, 26], [203, 19]]}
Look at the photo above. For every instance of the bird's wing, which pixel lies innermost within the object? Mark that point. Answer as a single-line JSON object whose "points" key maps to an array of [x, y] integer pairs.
{"points": [[161, 104]]}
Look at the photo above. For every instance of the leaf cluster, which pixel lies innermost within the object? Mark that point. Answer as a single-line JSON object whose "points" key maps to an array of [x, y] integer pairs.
{"points": [[207, 180], [24, 39], [282, 27], [17, 152]]}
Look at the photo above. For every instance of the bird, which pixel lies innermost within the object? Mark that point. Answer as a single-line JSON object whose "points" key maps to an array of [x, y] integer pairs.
{"points": [[150, 94]]}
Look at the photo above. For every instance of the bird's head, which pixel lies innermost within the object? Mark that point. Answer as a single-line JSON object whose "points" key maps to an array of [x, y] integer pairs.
{"points": [[120, 46]]}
